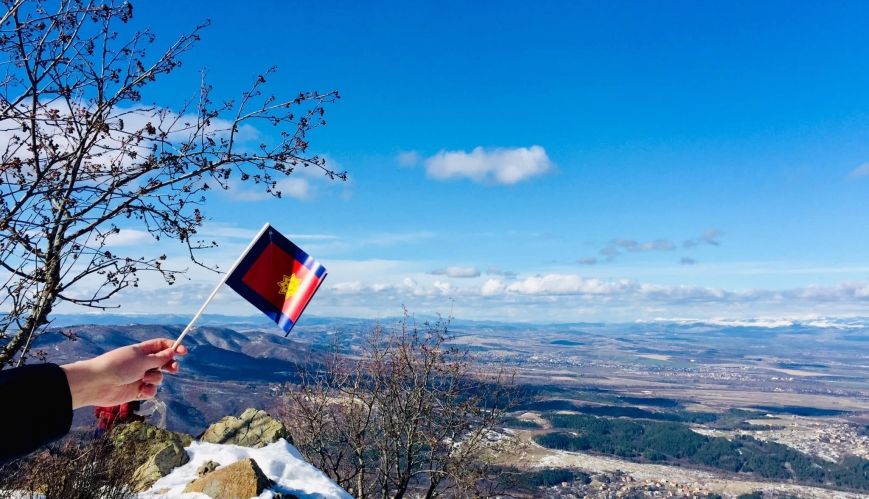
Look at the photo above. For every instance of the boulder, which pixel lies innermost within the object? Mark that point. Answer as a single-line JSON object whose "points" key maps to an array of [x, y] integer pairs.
{"points": [[240, 480], [160, 464], [153, 452], [253, 428]]}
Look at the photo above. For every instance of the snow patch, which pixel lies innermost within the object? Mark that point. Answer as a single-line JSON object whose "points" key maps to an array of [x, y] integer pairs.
{"points": [[280, 461], [765, 322]]}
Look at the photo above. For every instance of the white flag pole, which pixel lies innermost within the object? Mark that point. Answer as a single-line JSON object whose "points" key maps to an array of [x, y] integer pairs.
{"points": [[217, 288]]}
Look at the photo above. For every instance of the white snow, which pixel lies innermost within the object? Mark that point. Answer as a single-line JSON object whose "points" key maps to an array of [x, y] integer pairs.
{"points": [[280, 461], [767, 322]]}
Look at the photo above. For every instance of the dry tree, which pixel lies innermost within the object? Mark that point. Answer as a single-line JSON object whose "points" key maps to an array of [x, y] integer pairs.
{"points": [[76, 467], [406, 414], [83, 157]]}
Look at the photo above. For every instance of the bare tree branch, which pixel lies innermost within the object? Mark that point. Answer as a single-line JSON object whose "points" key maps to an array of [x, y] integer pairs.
{"points": [[406, 415], [85, 158]]}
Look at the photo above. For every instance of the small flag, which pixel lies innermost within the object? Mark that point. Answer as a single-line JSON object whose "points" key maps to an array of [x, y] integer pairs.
{"points": [[277, 277]]}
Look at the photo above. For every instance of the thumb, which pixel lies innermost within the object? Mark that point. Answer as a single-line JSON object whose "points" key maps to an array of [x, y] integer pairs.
{"points": [[160, 358]]}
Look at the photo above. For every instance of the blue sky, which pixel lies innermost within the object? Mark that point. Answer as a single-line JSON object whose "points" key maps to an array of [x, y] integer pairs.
{"points": [[557, 160]]}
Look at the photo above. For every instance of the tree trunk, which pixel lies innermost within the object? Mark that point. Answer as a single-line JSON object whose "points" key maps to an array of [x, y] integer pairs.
{"points": [[38, 317], [430, 493]]}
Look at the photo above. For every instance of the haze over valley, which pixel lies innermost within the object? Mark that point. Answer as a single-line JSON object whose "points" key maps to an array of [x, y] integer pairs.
{"points": [[764, 389]]}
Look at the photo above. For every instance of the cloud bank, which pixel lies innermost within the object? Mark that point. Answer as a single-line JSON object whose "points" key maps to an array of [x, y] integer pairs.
{"points": [[571, 297]]}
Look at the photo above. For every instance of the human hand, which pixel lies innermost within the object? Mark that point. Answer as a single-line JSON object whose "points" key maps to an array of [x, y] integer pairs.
{"points": [[122, 375]]}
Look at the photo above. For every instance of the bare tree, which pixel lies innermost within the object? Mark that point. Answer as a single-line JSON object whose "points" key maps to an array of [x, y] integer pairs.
{"points": [[77, 466], [83, 158], [408, 414]]}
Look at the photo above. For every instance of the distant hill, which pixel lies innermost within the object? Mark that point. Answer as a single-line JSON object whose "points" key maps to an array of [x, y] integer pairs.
{"points": [[225, 371], [239, 362]]}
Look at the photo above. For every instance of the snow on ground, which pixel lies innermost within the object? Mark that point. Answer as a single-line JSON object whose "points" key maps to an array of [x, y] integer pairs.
{"points": [[280, 461]]}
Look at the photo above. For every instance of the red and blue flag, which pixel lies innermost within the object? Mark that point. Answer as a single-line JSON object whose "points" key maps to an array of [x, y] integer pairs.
{"points": [[277, 277]]}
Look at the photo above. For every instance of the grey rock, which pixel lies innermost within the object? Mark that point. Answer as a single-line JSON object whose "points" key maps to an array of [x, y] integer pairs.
{"points": [[253, 428], [160, 464], [153, 452]]}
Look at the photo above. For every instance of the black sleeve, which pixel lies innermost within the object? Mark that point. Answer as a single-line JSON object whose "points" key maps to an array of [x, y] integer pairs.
{"points": [[35, 408]]}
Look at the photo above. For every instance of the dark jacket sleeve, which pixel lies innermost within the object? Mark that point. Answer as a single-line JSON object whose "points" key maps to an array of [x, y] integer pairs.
{"points": [[35, 408]]}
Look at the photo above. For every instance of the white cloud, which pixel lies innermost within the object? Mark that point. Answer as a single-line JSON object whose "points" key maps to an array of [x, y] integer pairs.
{"points": [[124, 121], [129, 237], [567, 284], [458, 272], [303, 184], [344, 288], [379, 288], [178, 129], [492, 287], [405, 289], [681, 293], [294, 187], [498, 165], [297, 188], [443, 287]]}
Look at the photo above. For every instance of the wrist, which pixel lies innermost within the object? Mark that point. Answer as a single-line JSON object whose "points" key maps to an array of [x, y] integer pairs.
{"points": [[81, 377]]}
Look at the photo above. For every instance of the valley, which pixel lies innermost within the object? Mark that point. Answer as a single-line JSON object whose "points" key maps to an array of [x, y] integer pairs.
{"points": [[784, 408]]}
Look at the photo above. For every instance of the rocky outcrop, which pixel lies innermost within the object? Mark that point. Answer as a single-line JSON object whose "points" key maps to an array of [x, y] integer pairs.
{"points": [[240, 480], [253, 440], [252, 429], [154, 452]]}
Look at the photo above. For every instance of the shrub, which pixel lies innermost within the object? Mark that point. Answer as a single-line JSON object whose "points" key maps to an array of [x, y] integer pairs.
{"points": [[76, 467]]}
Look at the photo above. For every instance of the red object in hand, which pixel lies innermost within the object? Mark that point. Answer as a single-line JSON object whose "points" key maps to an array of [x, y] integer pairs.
{"points": [[107, 417]]}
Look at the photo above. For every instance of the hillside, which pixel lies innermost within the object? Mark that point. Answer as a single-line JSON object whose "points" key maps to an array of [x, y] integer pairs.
{"points": [[225, 372]]}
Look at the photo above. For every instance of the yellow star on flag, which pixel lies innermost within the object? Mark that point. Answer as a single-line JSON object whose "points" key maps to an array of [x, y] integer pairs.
{"points": [[289, 285]]}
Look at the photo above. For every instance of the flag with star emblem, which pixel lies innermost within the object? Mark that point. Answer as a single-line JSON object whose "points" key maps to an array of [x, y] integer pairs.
{"points": [[277, 277]]}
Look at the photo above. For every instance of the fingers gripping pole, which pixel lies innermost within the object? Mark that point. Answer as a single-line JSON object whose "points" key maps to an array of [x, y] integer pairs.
{"points": [[217, 288]]}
